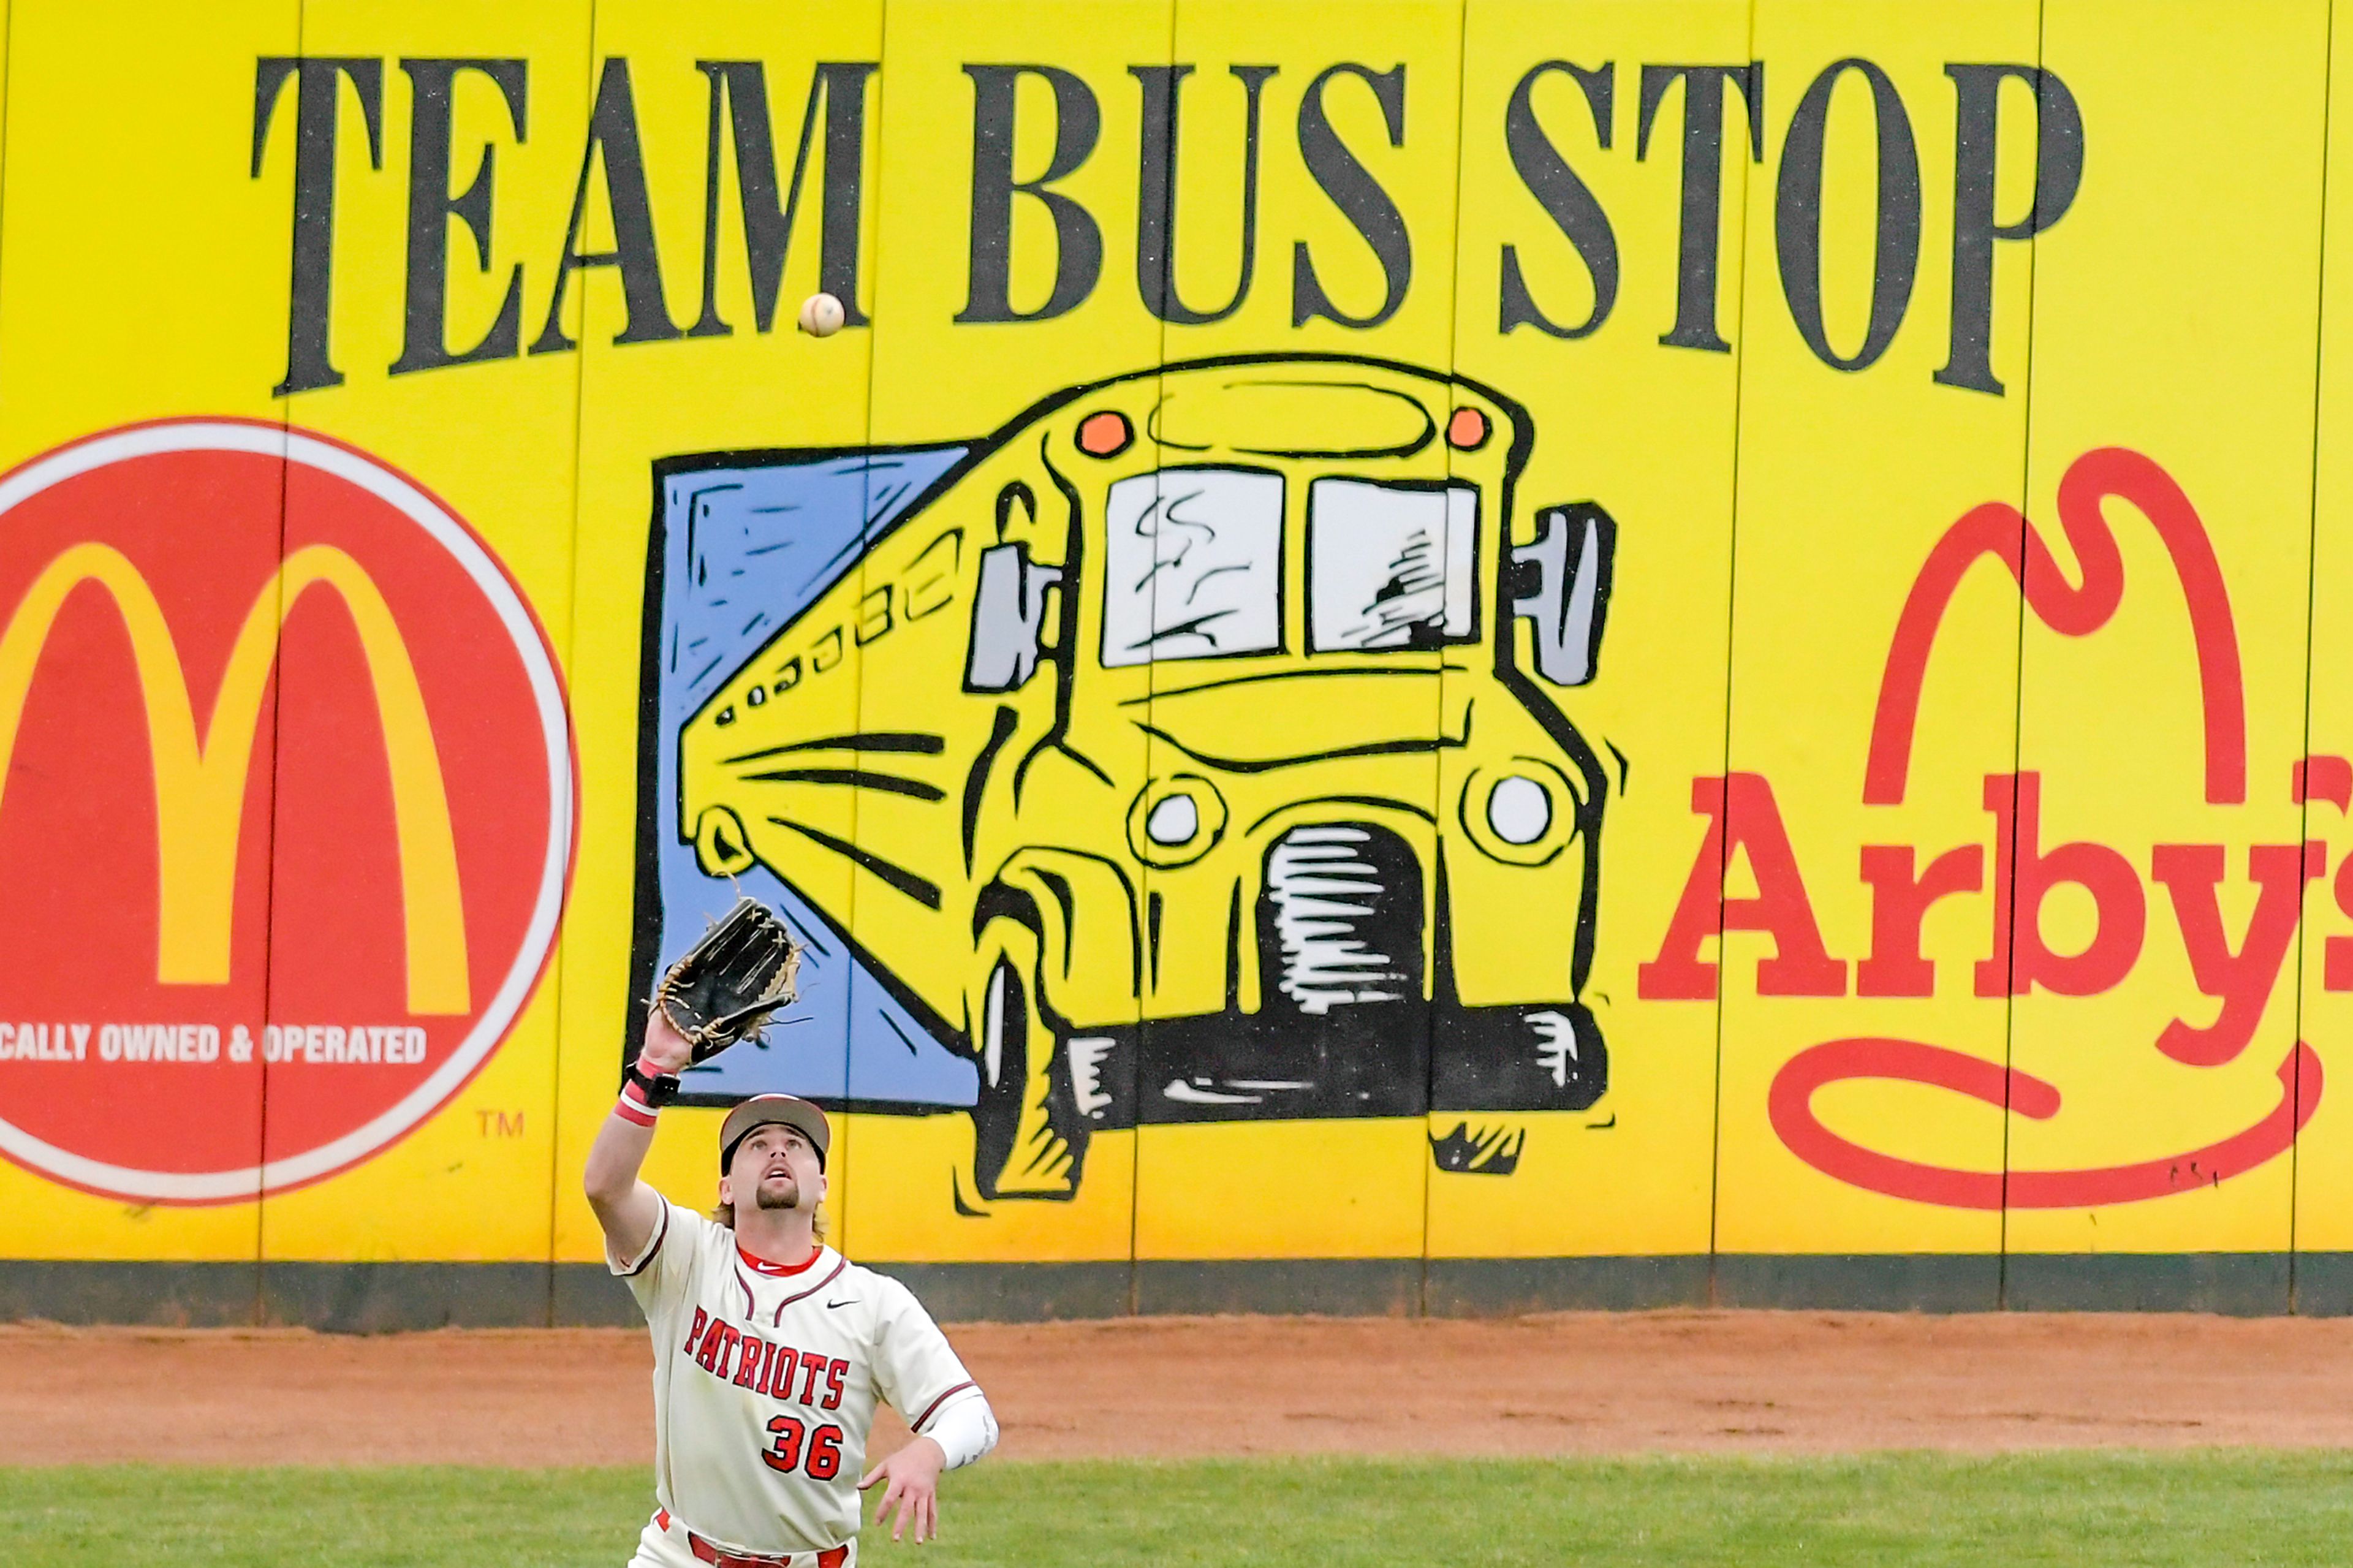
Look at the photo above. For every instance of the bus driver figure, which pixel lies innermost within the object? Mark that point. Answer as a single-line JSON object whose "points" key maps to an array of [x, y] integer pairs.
{"points": [[770, 1348]]}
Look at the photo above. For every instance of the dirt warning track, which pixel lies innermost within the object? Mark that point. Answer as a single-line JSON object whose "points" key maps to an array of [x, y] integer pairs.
{"points": [[1562, 1383]]}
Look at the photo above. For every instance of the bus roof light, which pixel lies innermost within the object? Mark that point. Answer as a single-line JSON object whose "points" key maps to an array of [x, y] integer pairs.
{"points": [[1106, 434], [1467, 431]]}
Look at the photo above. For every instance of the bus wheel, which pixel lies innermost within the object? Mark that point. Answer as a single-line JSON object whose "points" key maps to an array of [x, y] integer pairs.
{"points": [[1028, 1139]]}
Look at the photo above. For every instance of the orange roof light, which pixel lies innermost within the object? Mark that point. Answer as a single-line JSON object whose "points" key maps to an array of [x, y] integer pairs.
{"points": [[1105, 435], [1467, 431]]}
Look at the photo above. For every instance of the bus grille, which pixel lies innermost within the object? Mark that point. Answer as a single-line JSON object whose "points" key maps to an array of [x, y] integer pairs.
{"points": [[1340, 925]]}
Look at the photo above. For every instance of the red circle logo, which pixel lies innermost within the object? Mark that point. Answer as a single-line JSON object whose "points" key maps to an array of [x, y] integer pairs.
{"points": [[286, 794]]}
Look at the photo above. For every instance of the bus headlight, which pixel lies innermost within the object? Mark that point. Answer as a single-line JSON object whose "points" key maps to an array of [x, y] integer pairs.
{"points": [[1520, 811], [1175, 820]]}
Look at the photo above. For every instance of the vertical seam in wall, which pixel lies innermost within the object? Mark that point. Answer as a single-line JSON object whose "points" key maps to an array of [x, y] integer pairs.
{"points": [[571, 633], [1151, 686], [1425, 1163], [1748, 164], [2018, 674], [852, 964], [2311, 604], [276, 705]]}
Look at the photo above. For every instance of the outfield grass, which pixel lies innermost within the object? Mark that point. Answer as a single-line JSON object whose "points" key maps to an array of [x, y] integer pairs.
{"points": [[2151, 1511]]}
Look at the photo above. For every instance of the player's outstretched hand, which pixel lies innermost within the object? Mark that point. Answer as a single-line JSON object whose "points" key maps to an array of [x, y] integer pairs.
{"points": [[913, 1474], [665, 1047]]}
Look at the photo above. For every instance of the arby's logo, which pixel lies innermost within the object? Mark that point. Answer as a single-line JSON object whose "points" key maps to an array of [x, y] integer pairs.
{"points": [[2235, 977], [286, 807]]}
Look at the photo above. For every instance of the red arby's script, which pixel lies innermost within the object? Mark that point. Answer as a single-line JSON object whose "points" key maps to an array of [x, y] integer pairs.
{"points": [[2235, 972], [286, 816]]}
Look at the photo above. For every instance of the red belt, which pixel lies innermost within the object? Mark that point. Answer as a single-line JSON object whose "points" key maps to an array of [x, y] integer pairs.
{"points": [[718, 1556]]}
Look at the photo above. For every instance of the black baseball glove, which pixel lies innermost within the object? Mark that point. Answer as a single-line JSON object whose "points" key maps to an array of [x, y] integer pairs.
{"points": [[726, 987]]}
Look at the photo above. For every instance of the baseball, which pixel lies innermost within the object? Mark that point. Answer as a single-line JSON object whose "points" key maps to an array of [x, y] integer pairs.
{"points": [[821, 315]]}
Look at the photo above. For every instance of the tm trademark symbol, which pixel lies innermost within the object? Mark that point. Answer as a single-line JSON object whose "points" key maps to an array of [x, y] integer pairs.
{"points": [[499, 1123]]}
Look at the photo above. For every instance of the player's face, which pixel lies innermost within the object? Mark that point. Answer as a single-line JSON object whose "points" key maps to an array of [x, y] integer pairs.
{"points": [[776, 1168]]}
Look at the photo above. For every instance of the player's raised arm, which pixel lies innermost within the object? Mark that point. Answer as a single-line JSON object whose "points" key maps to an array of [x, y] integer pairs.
{"points": [[723, 989], [627, 1208]]}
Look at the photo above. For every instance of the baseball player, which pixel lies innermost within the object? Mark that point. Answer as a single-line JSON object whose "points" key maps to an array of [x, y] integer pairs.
{"points": [[770, 1348]]}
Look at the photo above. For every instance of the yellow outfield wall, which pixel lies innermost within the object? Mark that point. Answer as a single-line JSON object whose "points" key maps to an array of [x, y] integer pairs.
{"points": [[1411, 654]]}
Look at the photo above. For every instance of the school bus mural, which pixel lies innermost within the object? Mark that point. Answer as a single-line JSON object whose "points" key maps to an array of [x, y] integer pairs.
{"points": [[1174, 754]]}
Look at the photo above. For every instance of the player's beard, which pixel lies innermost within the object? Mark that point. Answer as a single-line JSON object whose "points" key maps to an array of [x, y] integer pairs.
{"points": [[783, 1196]]}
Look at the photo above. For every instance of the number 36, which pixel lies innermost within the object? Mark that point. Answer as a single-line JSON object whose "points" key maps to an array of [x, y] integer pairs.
{"points": [[824, 1455]]}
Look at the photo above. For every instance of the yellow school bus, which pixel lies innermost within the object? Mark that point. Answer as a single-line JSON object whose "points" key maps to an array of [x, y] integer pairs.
{"points": [[1207, 762]]}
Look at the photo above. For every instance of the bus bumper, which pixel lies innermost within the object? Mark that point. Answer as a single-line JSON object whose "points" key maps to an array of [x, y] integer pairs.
{"points": [[1349, 1062]]}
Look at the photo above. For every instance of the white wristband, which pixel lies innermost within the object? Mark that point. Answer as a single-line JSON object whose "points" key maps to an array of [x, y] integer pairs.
{"points": [[964, 1428]]}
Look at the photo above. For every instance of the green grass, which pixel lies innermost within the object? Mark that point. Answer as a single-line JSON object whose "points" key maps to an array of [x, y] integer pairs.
{"points": [[2150, 1510]]}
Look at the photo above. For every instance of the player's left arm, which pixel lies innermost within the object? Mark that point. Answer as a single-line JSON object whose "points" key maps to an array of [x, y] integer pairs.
{"points": [[628, 1211], [921, 1376]]}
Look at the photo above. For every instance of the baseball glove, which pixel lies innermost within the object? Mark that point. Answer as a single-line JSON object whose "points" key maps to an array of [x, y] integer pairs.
{"points": [[726, 987]]}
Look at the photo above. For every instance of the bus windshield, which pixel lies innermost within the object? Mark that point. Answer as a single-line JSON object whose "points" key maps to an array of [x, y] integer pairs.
{"points": [[1389, 566], [1193, 565]]}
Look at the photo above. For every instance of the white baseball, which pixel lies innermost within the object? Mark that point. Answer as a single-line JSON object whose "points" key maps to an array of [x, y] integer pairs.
{"points": [[821, 315]]}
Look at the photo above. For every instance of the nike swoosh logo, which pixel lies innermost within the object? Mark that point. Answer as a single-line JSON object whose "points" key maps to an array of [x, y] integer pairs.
{"points": [[851, 1302]]}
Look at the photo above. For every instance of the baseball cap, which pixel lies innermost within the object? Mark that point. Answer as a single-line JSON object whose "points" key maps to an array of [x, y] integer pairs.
{"points": [[773, 1111]]}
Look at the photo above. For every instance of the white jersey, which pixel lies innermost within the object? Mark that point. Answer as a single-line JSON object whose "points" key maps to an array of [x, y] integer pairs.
{"points": [[765, 1382]]}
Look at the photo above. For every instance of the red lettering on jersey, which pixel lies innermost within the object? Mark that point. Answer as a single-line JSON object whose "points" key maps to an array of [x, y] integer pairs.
{"points": [[753, 1361], [780, 1378], [815, 1364], [835, 1372], [767, 1368], [694, 1334], [825, 1454], [785, 1453]]}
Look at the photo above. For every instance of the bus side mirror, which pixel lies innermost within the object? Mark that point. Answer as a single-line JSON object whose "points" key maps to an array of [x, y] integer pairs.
{"points": [[1008, 614], [1564, 588]]}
